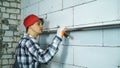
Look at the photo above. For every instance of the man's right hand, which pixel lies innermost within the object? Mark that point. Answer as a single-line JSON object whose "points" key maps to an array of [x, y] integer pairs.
{"points": [[61, 32]]}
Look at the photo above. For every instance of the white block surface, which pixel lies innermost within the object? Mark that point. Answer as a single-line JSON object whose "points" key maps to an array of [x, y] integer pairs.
{"points": [[25, 3], [97, 57], [33, 1], [70, 3], [46, 6], [33, 9], [72, 66], [61, 18], [64, 55], [87, 38], [111, 37], [119, 8], [97, 11], [53, 65]]}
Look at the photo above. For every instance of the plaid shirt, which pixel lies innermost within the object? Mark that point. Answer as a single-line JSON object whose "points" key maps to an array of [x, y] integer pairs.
{"points": [[30, 55]]}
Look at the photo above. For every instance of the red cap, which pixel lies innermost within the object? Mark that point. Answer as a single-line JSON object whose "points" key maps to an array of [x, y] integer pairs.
{"points": [[30, 20]]}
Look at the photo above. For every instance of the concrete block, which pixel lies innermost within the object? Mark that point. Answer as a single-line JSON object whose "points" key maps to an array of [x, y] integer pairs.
{"points": [[26, 11], [5, 21], [22, 29], [19, 5], [11, 61], [16, 39], [6, 4], [71, 3], [11, 0], [67, 66], [43, 39], [5, 61], [23, 14], [7, 39], [52, 65], [5, 27], [97, 11], [13, 16], [8, 33], [16, 33], [10, 50], [6, 56], [46, 6], [86, 38], [111, 37], [61, 18], [18, 1], [11, 21], [0, 61], [68, 3], [5, 15], [71, 66], [5, 66], [119, 8], [50, 38], [9, 45], [0, 38], [13, 10], [25, 3], [4, 51], [0, 3], [13, 4], [19, 17], [0, 43], [14, 45], [33, 2], [2, 9], [33, 9], [97, 57], [64, 55], [0, 14], [13, 27], [0, 26]]}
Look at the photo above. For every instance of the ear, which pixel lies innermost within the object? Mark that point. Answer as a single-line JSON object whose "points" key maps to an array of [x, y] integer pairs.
{"points": [[31, 27]]}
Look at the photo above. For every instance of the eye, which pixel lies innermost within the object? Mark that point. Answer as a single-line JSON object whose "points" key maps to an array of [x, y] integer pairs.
{"points": [[38, 23]]}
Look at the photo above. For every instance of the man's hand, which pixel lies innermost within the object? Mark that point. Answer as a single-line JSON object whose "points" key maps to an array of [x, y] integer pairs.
{"points": [[61, 32]]}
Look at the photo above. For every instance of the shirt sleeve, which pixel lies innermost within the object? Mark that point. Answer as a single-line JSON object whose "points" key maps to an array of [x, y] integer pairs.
{"points": [[43, 56]]}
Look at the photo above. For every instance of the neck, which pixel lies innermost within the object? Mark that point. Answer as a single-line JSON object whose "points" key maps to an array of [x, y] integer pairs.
{"points": [[32, 33]]}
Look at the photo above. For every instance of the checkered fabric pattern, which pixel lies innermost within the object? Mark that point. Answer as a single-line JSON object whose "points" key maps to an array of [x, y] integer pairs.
{"points": [[30, 55]]}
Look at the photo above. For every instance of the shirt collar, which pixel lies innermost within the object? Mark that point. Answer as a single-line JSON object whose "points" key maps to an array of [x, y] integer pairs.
{"points": [[28, 36]]}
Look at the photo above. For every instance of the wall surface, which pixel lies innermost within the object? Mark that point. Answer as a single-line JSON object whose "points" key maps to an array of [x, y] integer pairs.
{"points": [[10, 16], [95, 48]]}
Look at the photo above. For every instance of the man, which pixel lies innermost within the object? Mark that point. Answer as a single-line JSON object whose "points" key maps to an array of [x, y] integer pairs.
{"points": [[29, 53]]}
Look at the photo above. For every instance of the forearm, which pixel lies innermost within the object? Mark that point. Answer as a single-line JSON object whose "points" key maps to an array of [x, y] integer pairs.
{"points": [[52, 49], [43, 56]]}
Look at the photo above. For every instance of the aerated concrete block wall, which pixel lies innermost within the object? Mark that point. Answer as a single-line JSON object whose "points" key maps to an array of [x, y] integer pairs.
{"points": [[10, 17], [98, 48]]}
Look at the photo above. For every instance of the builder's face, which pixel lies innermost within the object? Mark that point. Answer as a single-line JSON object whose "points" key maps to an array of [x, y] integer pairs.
{"points": [[37, 27]]}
